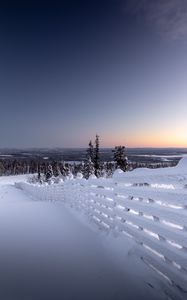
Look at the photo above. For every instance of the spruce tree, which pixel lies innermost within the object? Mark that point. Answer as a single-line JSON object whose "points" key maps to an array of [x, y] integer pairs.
{"points": [[49, 173], [39, 173], [120, 158], [88, 168], [96, 156], [90, 152]]}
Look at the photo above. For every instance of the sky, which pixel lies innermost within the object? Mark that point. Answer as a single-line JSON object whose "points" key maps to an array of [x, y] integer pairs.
{"points": [[72, 68]]}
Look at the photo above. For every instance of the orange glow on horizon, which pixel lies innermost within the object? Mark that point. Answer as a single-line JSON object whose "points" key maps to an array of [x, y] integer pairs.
{"points": [[163, 140]]}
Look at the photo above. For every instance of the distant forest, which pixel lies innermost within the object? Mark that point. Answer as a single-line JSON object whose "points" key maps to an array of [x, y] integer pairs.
{"points": [[92, 165]]}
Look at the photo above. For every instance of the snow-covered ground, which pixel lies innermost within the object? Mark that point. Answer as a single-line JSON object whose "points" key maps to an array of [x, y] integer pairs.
{"points": [[46, 252], [50, 251]]}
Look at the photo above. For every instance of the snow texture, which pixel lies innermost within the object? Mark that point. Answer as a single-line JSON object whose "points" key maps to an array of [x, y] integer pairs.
{"points": [[47, 251], [148, 206]]}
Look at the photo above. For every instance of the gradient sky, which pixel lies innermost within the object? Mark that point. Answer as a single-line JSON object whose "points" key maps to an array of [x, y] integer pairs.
{"points": [[72, 68]]}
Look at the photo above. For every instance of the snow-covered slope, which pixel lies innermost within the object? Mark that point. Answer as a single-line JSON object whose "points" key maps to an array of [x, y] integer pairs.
{"points": [[171, 178], [12, 179], [46, 252], [180, 169], [148, 206]]}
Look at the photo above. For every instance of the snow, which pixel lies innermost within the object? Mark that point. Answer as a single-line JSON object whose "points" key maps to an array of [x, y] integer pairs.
{"points": [[96, 238], [163, 156], [171, 178], [50, 252], [182, 164], [12, 179], [179, 169]]}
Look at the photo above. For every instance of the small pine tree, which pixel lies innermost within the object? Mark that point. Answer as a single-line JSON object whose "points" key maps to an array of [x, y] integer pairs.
{"points": [[39, 174], [103, 170], [96, 156], [63, 170], [120, 158], [88, 168], [49, 173], [90, 152]]}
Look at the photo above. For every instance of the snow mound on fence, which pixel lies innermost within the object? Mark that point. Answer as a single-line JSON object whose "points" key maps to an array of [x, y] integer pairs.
{"points": [[180, 168], [182, 165]]}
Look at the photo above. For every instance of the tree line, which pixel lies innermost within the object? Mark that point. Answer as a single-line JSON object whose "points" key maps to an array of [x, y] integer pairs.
{"points": [[91, 166], [54, 171]]}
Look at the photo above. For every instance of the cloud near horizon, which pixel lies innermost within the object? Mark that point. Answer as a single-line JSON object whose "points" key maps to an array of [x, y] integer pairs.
{"points": [[169, 17]]}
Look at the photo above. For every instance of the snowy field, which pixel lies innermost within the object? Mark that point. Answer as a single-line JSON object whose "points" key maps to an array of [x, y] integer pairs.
{"points": [[87, 239]]}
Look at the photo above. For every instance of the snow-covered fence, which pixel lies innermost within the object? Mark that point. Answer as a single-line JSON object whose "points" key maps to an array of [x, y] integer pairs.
{"points": [[42, 192], [150, 206]]}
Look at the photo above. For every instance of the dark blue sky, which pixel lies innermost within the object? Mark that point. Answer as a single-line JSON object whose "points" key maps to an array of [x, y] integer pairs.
{"points": [[69, 69]]}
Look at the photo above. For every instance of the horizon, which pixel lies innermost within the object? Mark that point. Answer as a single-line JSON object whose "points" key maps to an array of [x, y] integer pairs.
{"points": [[75, 148]]}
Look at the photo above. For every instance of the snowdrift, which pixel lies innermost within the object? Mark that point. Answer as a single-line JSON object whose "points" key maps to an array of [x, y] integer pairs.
{"points": [[148, 206]]}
